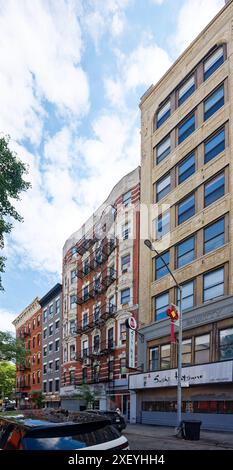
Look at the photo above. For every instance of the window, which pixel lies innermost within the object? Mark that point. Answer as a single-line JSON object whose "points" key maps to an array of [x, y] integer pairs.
{"points": [[57, 324], [186, 209], [45, 333], [57, 306], [125, 263], [72, 377], [125, 296], [186, 128], [51, 309], [110, 338], [186, 168], [202, 349], [160, 268], [187, 296], [45, 369], [214, 189], [154, 358], [33, 378], [72, 301], [161, 305], [86, 266], [38, 358], [50, 330], [226, 344], [73, 250], [162, 224], [185, 252], [38, 320], [186, 90], [33, 342], [86, 292], [84, 375], [213, 62], [50, 386], [213, 285], [111, 304], [72, 276], [163, 149], [165, 352], [122, 332], [50, 347], [38, 339], [163, 187], [163, 113], [96, 373], [34, 324], [57, 345], [96, 313], [214, 236], [125, 230], [123, 369], [38, 377], [187, 352], [98, 255], [45, 350], [45, 315], [214, 145], [85, 319], [110, 370], [213, 102], [57, 385], [72, 326], [72, 352], [126, 198], [96, 343], [84, 348], [45, 387]]}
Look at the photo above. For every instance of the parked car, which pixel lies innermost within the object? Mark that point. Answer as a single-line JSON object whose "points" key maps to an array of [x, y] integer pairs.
{"points": [[9, 407], [80, 431], [116, 418]]}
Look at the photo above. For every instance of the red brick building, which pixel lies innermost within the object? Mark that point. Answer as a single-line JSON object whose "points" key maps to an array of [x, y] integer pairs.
{"points": [[29, 376], [100, 291]]}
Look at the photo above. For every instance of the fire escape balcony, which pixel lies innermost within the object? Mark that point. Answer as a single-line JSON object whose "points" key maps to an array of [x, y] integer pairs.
{"points": [[84, 297], [86, 242], [95, 352], [23, 367], [23, 387], [84, 271], [110, 312]]}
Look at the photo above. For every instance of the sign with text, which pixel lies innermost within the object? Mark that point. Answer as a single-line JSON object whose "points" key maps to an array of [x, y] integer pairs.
{"points": [[194, 375], [130, 348]]}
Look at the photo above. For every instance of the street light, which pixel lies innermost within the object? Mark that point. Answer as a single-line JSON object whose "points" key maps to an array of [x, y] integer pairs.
{"points": [[179, 362]]}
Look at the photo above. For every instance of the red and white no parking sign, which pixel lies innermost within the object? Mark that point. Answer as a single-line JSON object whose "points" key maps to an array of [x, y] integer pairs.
{"points": [[132, 324]]}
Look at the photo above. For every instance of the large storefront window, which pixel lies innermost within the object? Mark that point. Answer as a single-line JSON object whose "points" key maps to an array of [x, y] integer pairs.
{"points": [[165, 353], [202, 349], [211, 407], [226, 344]]}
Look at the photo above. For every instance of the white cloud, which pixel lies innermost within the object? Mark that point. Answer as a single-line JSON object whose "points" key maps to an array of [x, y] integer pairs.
{"points": [[6, 319], [192, 18], [41, 48], [158, 2], [104, 17], [142, 67]]}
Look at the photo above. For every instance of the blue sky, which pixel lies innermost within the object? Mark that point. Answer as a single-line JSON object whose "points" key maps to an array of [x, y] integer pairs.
{"points": [[71, 76]]}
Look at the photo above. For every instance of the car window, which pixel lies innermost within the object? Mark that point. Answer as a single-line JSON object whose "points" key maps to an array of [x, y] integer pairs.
{"points": [[77, 441]]}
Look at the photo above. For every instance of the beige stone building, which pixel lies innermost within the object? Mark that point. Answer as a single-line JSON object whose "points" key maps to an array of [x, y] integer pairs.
{"points": [[186, 194]]}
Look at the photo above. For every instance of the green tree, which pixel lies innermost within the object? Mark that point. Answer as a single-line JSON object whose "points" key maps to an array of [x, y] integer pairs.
{"points": [[87, 395], [12, 172], [38, 399], [12, 349], [7, 379]]}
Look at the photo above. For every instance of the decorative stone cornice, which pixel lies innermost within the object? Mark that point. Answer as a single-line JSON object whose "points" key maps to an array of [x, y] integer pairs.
{"points": [[27, 313]]}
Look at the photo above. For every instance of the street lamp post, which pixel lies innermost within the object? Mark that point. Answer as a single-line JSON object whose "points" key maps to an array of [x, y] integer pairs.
{"points": [[179, 359]]}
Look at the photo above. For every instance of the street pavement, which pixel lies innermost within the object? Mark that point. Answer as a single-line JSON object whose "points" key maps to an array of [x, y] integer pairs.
{"points": [[142, 437]]}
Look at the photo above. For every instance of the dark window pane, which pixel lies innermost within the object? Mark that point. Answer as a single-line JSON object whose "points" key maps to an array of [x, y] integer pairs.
{"points": [[186, 168], [163, 114], [215, 145], [213, 103], [185, 252], [213, 63], [214, 189], [214, 236], [186, 209], [160, 269], [213, 284], [186, 128], [161, 305]]}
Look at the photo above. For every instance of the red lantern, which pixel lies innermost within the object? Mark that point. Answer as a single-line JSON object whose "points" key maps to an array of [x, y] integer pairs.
{"points": [[172, 313]]}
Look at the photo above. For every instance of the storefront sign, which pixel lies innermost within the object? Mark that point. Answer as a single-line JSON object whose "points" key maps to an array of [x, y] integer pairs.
{"points": [[130, 348], [194, 375]]}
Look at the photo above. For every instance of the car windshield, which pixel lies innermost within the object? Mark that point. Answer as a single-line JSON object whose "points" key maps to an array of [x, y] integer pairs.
{"points": [[68, 442]]}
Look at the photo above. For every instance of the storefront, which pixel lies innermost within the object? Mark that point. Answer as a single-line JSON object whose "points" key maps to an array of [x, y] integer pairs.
{"points": [[207, 395]]}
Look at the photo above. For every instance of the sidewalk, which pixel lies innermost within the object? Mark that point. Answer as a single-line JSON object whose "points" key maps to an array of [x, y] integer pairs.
{"points": [[165, 437]]}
